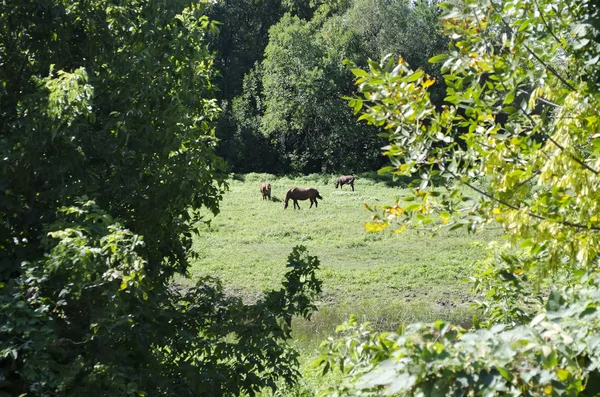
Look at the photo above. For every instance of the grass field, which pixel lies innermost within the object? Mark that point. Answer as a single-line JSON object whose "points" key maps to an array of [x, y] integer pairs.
{"points": [[386, 278]]}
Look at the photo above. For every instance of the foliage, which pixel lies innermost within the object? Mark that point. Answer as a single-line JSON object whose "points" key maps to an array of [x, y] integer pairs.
{"points": [[303, 111], [243, 35], [107, 159], [99, 108], [522, 95], [510, 295], [546, 140], [554, 355], [419, 280], [296, 91], [239, 46], [73, 313], [410, 30], [245, 149]]}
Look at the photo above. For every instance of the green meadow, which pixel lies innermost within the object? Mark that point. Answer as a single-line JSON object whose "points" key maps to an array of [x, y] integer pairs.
{"points": [[386, 278]]}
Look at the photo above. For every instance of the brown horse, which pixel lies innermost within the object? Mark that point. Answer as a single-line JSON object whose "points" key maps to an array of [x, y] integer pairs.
{"points": [[345, 180], [265, 190], [302, 193]]}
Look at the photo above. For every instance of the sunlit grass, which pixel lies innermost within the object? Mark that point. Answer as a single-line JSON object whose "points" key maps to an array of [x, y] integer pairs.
{"points": [[386, 278]]}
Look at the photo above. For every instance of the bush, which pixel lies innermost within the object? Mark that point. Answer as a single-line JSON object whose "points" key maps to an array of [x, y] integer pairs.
{"points": [[522, 113]]}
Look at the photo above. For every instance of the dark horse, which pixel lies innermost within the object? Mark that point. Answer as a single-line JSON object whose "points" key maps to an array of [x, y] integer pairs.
{"points": [[302, 193], [345, 180], [265, 189]]}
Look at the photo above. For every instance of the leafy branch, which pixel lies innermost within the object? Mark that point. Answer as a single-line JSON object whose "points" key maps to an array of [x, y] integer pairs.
{"points": [[516, 208]]}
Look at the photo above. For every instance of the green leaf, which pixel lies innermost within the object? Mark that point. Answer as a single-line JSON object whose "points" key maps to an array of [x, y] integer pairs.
{"points": [[439, 58], [562, 374], [505, 374], [524, 25], [359, 73], [413, 207], [413, 77]]}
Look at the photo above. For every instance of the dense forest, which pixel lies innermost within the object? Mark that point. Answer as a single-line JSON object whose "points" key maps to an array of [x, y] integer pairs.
{"points": [[282, 78], [123, 121]]}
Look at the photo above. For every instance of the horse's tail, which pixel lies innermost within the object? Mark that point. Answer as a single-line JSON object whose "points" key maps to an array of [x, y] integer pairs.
{"points": [[319, 196]]}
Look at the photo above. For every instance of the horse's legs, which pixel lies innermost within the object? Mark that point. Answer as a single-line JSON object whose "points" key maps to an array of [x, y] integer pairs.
{"points": [[296, 204], [311, 203], [352, 184], [316, 203]]}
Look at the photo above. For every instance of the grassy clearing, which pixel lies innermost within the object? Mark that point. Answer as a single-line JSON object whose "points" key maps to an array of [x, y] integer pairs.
{"points": [[386, 278]]}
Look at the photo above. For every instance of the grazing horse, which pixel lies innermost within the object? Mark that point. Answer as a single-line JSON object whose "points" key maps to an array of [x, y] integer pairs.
{"points": [[345, 180], [302, 193], [265, 189]]}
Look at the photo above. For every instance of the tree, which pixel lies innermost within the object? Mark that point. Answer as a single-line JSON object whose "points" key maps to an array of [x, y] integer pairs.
{"points": [[107, 149], [304, 113], [302, 82], [243, 36], [520, 133], [400, 28], [239, 45]]}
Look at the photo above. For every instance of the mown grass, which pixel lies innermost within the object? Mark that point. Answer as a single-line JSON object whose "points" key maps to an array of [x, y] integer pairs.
{"points": [[386, 278]]}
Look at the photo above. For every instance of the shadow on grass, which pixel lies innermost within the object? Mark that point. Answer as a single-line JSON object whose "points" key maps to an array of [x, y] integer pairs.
{"points": [[238, 177], [373, 176], [381, 317]]}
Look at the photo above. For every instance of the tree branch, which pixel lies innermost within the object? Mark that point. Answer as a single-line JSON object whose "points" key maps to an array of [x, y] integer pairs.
{"points": [[573, 157], [516, 208], [546, 23], [543, 100], [550, 68]]}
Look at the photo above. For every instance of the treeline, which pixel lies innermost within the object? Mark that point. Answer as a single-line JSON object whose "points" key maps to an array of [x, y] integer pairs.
{"points": [[282, 78]]}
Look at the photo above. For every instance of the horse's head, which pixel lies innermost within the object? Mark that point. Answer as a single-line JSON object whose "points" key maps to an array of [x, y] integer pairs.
{"points": [[337, 184]]}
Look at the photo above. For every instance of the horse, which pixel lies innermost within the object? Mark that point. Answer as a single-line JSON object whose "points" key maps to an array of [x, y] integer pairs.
{"points": [[265, 190], [345, 180], [302, 193]]}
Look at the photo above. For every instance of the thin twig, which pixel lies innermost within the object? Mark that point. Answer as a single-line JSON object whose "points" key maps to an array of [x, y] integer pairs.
{"points": [[530, 213], [546, 23], [535, 173], [558, 145], [546, 154], [573, 157], [541, 99], [434, 228], [550, 68]]}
